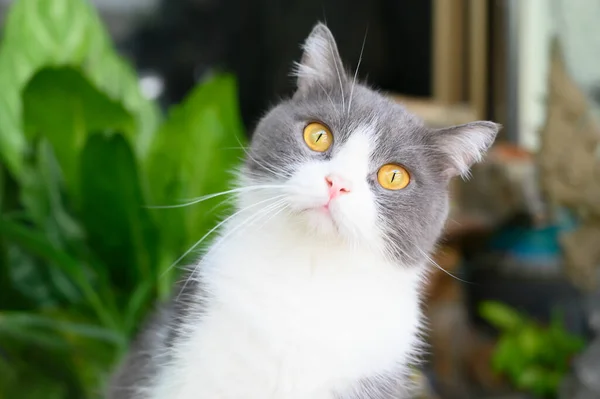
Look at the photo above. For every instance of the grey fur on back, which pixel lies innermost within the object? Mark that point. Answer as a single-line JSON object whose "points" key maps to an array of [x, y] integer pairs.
{"points": [[150, 350]]}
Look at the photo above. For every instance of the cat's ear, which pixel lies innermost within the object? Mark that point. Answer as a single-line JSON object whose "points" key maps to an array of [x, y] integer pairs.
{"points": [[463, 145], [320, 62]]}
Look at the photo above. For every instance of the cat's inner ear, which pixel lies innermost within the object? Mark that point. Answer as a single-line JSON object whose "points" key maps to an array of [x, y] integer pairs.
{"points": [[321, 63], [462, 146]]}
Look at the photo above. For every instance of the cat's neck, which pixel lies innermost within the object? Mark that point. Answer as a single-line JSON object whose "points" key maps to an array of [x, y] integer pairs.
{"points": [[278, 242]]}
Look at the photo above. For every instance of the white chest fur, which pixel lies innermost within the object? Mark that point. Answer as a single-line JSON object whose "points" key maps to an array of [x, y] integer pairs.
{"points": [[292, 319]]}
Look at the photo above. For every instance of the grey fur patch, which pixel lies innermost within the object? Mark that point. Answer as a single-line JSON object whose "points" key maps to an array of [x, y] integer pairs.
{"points": [[151, 350], [145, 358]]}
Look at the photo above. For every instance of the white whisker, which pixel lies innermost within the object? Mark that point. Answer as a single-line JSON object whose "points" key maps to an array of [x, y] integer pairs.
{"points": [[441, 268], [327, 94], [193, 247], [210, 196], [221, 203], [244, 223], [284, 207], [337, 69], [248, 221], [356, 72], [271, 169], [234, 148]]}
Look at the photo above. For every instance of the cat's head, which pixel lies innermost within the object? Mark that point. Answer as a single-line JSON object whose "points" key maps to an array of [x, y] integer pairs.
{"points": [[347, 163]]}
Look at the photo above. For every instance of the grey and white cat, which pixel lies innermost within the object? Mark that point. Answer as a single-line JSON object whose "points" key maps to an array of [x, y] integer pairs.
{"points": [[312, 289]]}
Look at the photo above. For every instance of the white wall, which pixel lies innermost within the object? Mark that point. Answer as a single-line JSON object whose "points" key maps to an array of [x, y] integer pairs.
{"points": [[536, 30], [576, 24]]}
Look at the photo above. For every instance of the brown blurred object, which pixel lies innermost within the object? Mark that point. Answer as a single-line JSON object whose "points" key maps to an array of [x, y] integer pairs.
{"points": [[435, 113], [504, 185], [460, 356], [479, 360], [460, 64], [448, 322], [501, 186], [569, 162]]}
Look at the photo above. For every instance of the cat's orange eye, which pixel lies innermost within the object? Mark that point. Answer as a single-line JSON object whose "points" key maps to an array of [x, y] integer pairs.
{"points": [[318, 137], [393, 177]]}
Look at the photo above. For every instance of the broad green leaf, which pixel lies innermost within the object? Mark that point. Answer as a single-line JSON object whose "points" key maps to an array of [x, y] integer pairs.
{"points": [[119, 227], [193, 154], [74, 228], [75, 109], [42, 33]]}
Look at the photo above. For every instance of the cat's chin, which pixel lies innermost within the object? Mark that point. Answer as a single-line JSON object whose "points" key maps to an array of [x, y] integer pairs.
{"points": [[323, 220]]}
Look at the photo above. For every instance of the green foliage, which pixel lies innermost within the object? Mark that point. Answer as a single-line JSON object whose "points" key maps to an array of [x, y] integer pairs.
{"points": [[191, 156], [82, 155], [534, 358], [40, 34]]}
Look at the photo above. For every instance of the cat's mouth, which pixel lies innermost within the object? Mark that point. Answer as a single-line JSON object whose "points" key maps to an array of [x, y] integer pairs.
{"points": [[325, 209], [324, 217]]}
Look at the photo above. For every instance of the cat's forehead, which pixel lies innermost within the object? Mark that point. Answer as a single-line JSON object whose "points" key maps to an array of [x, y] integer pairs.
{"points": [[359, 110]]}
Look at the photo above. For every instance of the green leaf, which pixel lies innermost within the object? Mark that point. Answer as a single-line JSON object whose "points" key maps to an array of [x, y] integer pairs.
{"points": [[119, 227], [42, 33], [32, 337], [27, 321], [193, 154], [140, 300], [535, 358], [38, 244], [76, 109], [38, 357], [500, 315], [534, 379], [507, 357], [1, 187], [532, 341], [30, 278], [43, 197]]}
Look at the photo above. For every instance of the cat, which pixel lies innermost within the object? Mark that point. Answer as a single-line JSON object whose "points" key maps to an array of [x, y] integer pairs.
{"points": [[313, 287]]}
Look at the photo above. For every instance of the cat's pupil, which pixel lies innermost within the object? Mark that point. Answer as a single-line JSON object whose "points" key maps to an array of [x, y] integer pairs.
{"points": [[393, 177], [319, 138]]}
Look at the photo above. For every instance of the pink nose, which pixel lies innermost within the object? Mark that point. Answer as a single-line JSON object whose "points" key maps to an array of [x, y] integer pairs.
{"points": [[337, 186]]}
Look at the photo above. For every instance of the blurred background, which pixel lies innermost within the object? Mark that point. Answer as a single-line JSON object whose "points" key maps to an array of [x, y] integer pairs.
{"points": [[108, 106]]}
